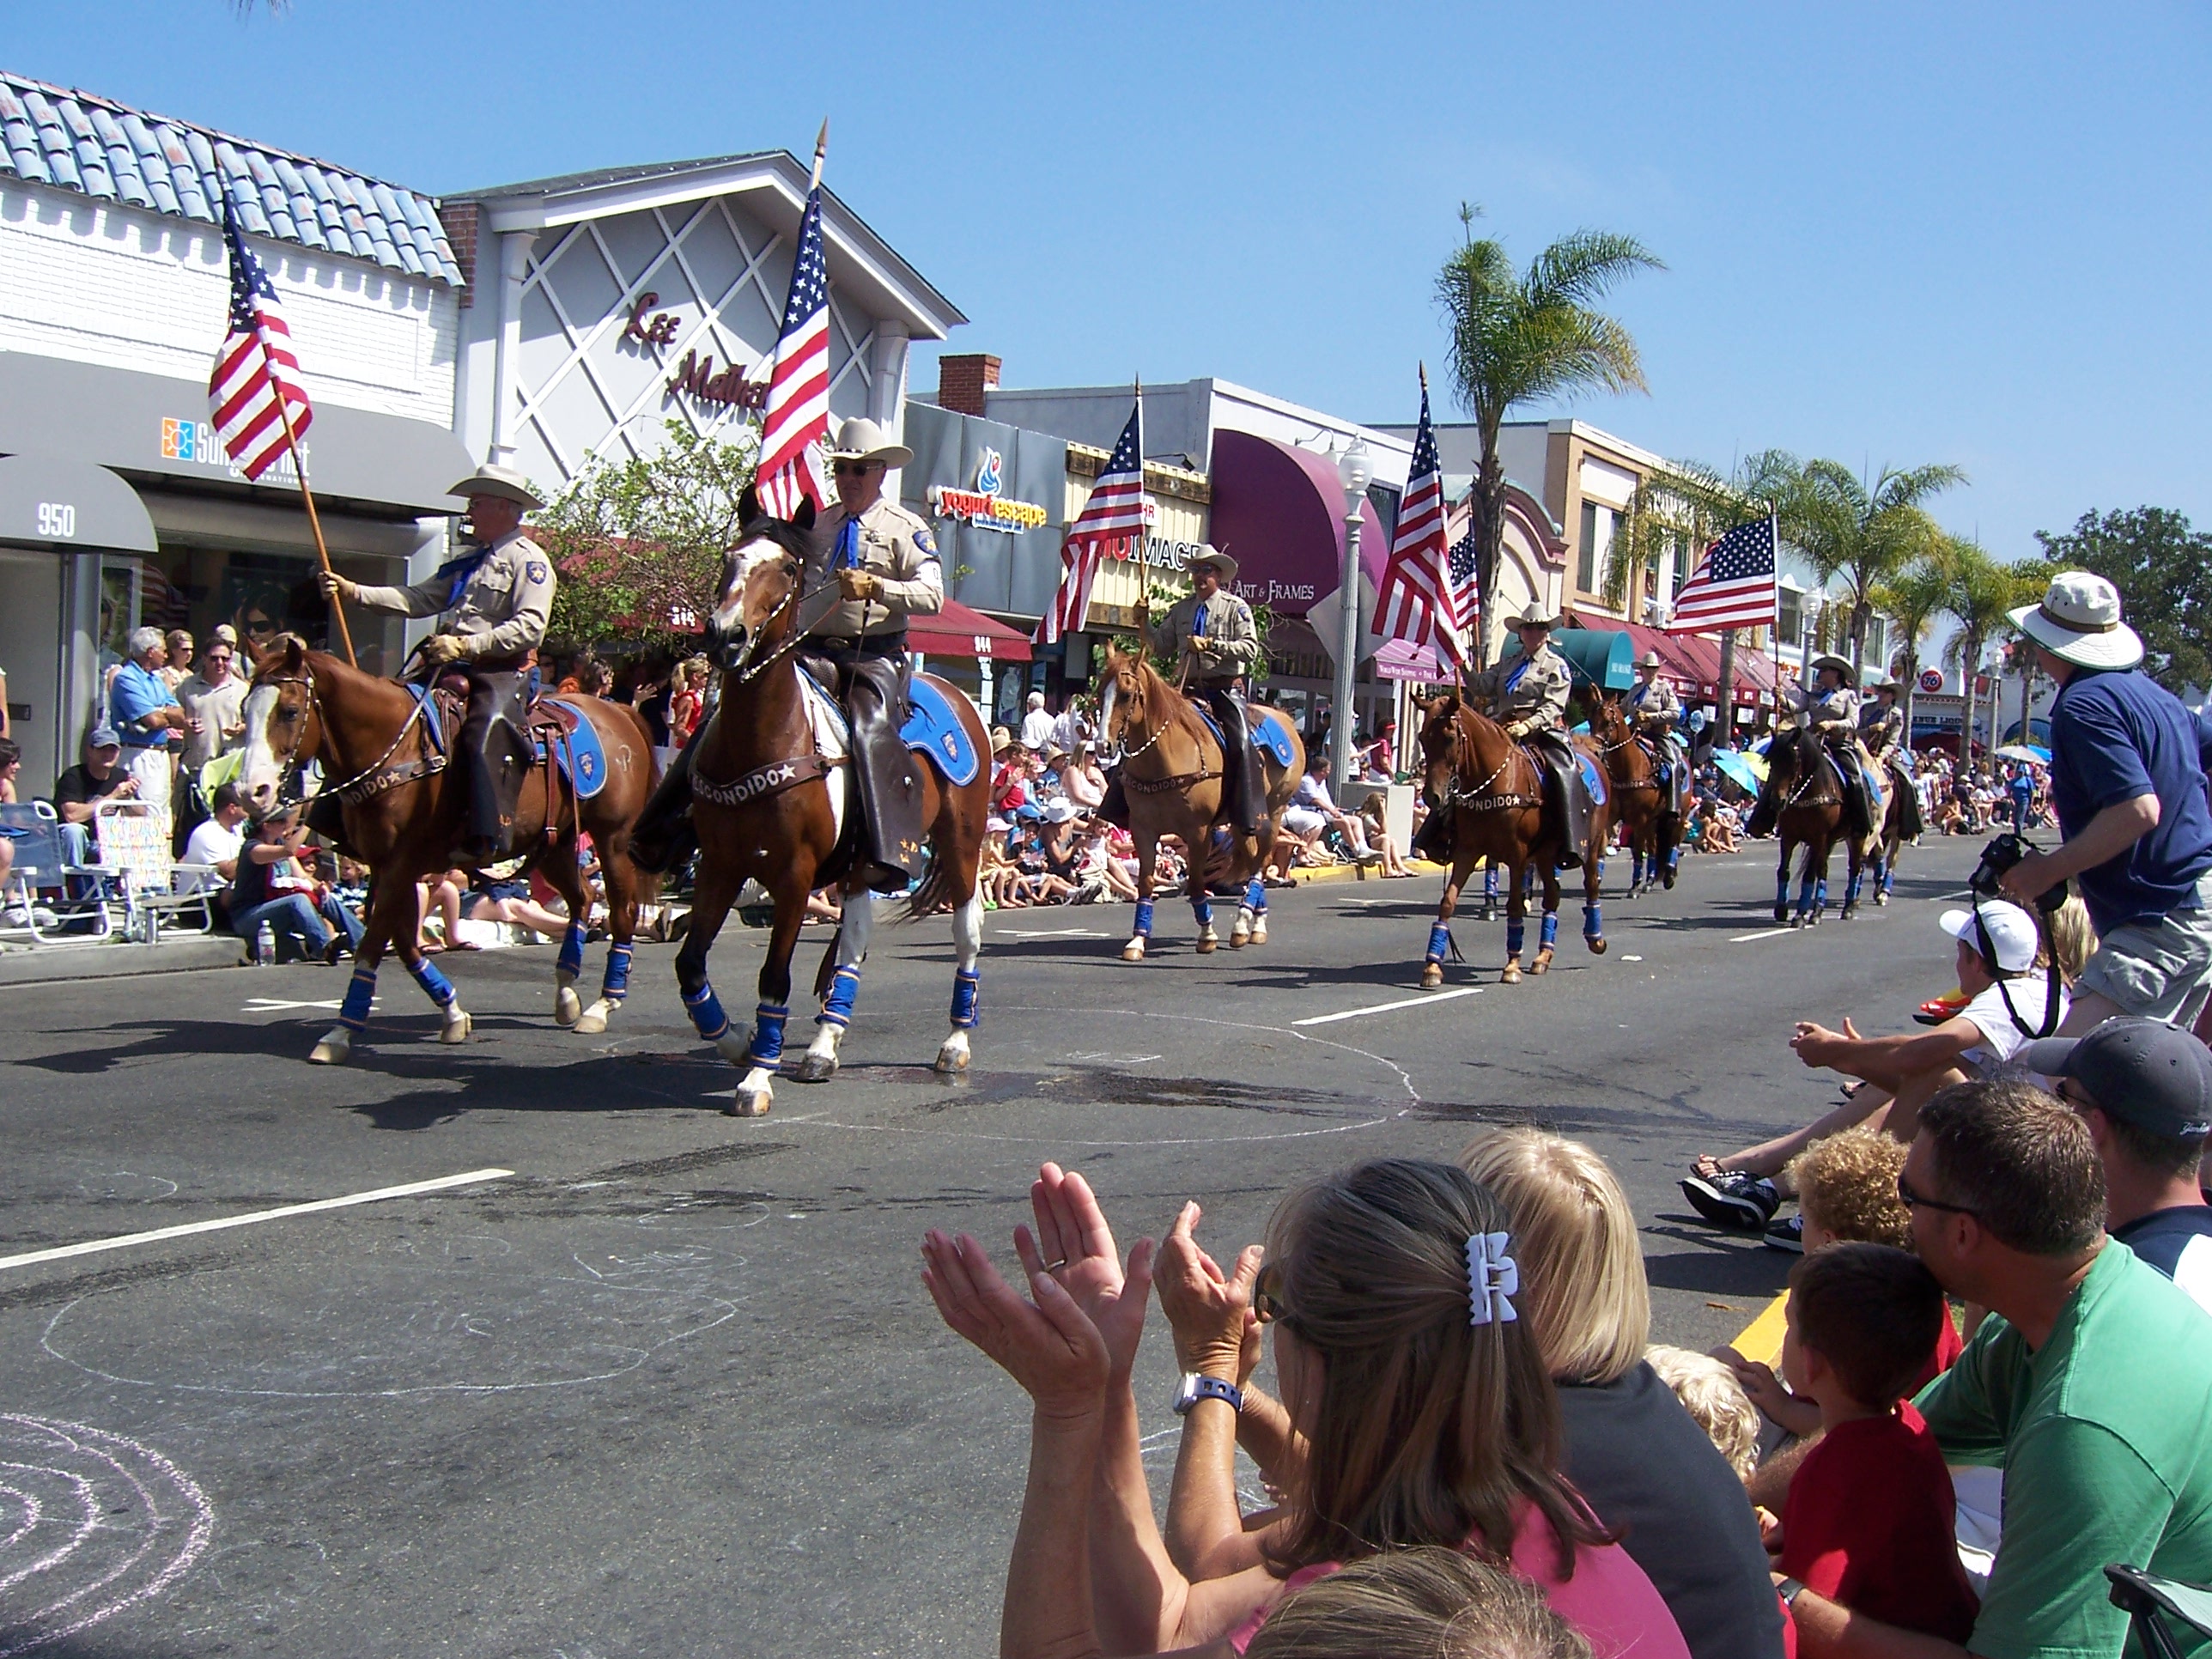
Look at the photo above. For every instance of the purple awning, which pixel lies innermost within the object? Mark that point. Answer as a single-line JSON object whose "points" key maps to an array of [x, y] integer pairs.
{"points": [[1278, 512]]}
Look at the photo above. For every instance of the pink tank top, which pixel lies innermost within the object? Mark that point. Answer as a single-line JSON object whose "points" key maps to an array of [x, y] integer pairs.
{"points": [[1609, 1600]]}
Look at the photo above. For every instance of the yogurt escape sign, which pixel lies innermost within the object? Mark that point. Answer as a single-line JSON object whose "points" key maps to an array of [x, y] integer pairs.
{"points": [[983, 507]]}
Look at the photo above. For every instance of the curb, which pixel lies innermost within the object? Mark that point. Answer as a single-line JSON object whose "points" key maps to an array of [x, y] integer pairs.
{"points": [[43, 964]]}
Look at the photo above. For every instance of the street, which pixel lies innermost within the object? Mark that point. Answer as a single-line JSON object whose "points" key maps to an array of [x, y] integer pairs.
{"points": [[672, 1385]]}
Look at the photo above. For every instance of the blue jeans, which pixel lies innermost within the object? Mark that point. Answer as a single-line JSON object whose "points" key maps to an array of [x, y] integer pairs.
{"points": [[295, 916]]}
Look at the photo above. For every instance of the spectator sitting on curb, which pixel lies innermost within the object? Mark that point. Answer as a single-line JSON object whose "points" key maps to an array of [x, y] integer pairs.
{"points": [[271, 887], [1715, 1400], [216, 841]]}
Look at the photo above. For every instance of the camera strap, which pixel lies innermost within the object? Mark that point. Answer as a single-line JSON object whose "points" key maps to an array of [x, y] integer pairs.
{"points": [[1989, 950]]}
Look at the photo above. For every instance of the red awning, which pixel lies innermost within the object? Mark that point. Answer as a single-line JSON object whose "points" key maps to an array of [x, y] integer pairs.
{"points": [[957, 631], [1693, 662]]}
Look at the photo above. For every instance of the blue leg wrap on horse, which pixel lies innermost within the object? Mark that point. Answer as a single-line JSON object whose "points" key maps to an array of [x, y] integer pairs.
{"points": [[1548, 935], [1593, 925], [1202, 911], [967, 998], [1674, 857], [361, 991], [1144, 928], [436, 985], [1635, 870], [571, 959], [1516, 935], [707, 1016], [615, 985], [1255, 897], [768, 1033], [1439, 941], [837, 1006], [1490, 881]]}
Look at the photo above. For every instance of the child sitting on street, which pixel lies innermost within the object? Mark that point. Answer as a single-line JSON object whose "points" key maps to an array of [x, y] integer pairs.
{"points": [[1868, 1522]]}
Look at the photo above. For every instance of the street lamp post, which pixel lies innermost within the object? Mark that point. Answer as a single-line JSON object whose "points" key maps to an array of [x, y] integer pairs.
{"points": [[1353, 471]]}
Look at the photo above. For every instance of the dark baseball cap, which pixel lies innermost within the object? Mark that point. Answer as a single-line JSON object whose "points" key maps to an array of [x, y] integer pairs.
{"points": [[2141, 1071]]}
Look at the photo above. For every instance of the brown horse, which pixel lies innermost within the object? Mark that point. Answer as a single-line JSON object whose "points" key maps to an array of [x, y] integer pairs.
{"points": [[1803, 778], [1171, 772], [1642, 806], [1493, 788], [403, 809], [770, 798]]}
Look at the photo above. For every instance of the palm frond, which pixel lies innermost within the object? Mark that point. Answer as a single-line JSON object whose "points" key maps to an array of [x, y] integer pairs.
{"points": [[1580, 269]]}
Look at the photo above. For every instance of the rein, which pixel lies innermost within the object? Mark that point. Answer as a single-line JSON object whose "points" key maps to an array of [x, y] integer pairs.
{"points": [[371, 780], [1477, 800], [776, 776]]}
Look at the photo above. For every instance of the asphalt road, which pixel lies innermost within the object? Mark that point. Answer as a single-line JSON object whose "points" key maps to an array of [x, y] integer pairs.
{"points": [[671, 1386]]}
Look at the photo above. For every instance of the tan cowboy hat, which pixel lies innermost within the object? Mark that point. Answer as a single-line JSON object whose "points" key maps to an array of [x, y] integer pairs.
{"points": [[862, 440], [1222, 563], [1878, 681], [1001, 739], [504, 482], [1840, 664], [1650, 659], [2079, 622], [1535, 618]]}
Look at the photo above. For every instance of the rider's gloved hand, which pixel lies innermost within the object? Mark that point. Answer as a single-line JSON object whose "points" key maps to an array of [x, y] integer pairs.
{"points": [[859, 584], [442, 649], [1518, 729]]}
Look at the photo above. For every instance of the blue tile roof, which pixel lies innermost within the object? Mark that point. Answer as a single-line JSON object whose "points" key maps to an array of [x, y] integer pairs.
{"points": [[53, 135]]}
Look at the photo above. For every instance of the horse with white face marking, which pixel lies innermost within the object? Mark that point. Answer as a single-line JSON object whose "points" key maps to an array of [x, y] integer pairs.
{"points": [[771, 797]]}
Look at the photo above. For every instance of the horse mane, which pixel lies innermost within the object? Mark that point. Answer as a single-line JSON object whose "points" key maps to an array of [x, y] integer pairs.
{"points": [[1181, 710]]}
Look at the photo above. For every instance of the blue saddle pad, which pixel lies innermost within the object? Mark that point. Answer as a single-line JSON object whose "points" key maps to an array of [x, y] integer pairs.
{"points": [[583, 757], [1877, 797], [1271, 732], [1593, 777], [932, 729]]}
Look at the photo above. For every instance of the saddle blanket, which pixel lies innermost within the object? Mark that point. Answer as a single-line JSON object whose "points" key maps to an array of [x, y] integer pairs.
{"points": [[581, 756], [1593, 777], [932, 729], [1877, 797], [1271, 732]]}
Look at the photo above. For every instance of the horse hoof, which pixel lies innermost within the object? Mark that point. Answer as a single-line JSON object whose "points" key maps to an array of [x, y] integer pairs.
{"points": [[1880, 901], [951, 1061], [457, 1028], [1207, 947], [1542, 965], [1134, 951], [1432, 975], [1512, 975], [1667, 881], [567, 1008], [1260, 930], [1596, 944], [744, 1104], [334, 1049], [593, 1019], [1239, 937], [816, 1068]]}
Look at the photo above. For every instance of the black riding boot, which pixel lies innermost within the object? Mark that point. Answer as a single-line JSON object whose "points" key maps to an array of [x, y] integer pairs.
{"points": [[890, 791], [1114, 808], [1243, 785], [663, 837], [1433, 840]]}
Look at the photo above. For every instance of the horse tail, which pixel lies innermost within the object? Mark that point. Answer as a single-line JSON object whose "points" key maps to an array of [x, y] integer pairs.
{"points": [[933, 893], [828, 970]]}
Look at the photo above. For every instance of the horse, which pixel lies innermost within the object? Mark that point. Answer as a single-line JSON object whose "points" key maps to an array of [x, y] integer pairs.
{"points": [[771, 794], [1641, 803], [1171, 773], [1493, 787], [402, 808], [1803, 777]]}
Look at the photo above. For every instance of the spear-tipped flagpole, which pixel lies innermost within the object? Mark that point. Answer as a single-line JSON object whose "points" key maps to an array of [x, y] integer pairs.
{"points": [[821, 149]]}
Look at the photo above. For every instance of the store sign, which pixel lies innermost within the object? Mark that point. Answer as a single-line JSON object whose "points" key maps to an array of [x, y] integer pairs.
{"points": [[195, 442], [1931, 680], [983, 507], [1169, 554], [659, 330], [696, 375]]}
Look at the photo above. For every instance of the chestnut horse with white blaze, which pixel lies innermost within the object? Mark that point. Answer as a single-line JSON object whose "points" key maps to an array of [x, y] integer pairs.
{"points": [[1642, 806], [404, 814], [1171, 773], [1493, 788], [770, 803]]}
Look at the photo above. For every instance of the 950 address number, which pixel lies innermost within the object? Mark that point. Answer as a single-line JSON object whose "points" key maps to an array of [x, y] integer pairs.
{"points": [[56, 520]]}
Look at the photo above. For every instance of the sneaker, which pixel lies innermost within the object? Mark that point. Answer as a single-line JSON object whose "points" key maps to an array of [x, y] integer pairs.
{"points": [[1735, 1200], [1787, 1235]]}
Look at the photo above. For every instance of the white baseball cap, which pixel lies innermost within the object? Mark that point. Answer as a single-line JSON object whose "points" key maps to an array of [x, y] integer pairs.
{"points": [[2011, 931]]}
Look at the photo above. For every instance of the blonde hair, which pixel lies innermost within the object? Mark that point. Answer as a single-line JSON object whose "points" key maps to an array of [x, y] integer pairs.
{"points": [[2067, 932], [1716, 1403], [1582, 1263], [1847, 1183], [1432, 1602]]}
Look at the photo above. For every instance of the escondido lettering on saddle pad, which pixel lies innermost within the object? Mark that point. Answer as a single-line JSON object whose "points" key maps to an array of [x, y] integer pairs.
{"points": [[761, 781]]}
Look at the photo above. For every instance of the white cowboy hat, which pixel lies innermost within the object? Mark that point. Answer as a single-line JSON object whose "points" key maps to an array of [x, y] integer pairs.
{"points": [[504, 482], [862, 440], [2079, 622], [1059, 809], [1842, 665], [1535, 618], [1221, 562], [1650, 659]]}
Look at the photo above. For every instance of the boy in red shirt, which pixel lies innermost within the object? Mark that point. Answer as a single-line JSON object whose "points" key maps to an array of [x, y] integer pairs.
{"points": [[1869, 1519]]}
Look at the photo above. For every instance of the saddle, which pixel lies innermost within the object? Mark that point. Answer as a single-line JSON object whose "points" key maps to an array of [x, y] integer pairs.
{"points": [[1266, 729]]}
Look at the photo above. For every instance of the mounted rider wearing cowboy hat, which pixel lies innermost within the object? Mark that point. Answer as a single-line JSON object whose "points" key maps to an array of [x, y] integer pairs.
{"points": [[1211, 635], [1881, 735], [1652, 709], [1830, 707], [493, 605]]}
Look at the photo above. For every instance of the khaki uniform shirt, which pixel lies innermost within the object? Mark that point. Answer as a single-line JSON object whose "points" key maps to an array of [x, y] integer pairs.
{"points": [[498, 610], [1536, 692], [1825, 708], [1229, 645], [1654, 703], [897, 548], [1882, 730]]}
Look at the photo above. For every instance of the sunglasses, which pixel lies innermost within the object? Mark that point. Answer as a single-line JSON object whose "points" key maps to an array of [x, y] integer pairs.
{"points": [[1913, 1200], [853, 469], [1267, 1295]]}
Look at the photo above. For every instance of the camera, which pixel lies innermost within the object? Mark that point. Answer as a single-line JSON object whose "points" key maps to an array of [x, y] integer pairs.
{"points": [[2000, 855]]}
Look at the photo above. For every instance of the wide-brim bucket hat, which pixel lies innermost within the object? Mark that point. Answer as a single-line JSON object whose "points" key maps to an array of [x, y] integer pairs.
{"points": [[862, 440], [2078, 620], [504, 482]]}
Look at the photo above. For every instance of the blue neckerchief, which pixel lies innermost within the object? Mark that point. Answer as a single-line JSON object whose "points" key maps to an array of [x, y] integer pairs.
{"points": [[1197, 622], [458, 571], [1519, 669], [847, 555]]}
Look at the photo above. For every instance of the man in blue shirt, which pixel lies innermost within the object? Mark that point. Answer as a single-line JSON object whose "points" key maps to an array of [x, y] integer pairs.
{"points": [[2127, 785], [147, 716]]}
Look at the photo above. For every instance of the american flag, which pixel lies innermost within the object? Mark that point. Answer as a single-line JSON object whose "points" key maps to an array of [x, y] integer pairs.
{"points": [[1732, 585], [255, 366], [1466, 603], [796, 418], [1113, 520], [1416, 604]]}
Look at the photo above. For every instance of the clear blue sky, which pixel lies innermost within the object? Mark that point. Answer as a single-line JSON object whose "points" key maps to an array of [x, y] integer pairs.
{"points": [[1896, 233]]}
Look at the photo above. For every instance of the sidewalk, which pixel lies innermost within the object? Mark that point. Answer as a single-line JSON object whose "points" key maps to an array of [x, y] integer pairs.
{"points": [[41, 964]]}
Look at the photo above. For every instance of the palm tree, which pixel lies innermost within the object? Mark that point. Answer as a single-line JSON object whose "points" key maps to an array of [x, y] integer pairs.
{"points": [[1980, 592], [1866, 535], [1519, 335], [1912, 600]]}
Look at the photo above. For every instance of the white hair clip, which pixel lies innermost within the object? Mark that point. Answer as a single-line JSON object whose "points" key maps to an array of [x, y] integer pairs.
{"points": [[1492, 1278]]}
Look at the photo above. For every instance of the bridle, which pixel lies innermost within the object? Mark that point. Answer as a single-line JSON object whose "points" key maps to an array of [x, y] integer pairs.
{"points": [[1478, 799], [743, 670], [1153, 786], [372, 779]]}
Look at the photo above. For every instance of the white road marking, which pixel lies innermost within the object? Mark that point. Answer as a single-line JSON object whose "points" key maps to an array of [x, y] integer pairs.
{"points": [[1377, 1008], [1047, 933], [277, 1005], [1746, 938], [92, 1246], [1631, 958]]}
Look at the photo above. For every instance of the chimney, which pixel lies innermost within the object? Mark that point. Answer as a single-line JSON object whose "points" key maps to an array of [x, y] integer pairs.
{"points": [[961, 381], [460, 222]]}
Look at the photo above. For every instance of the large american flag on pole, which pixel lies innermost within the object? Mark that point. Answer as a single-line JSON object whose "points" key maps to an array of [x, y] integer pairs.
{"points": [[1116, 519], [1732, 585], [795, 420], [1416, 604], [256, 381]]}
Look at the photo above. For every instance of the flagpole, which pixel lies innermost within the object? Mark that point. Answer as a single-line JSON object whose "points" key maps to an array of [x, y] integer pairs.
{"points": [[1144, 538], [314, 523]]}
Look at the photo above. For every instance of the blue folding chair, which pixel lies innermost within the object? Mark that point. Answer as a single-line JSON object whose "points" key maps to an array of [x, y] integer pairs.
{"points": [[79, 903]]}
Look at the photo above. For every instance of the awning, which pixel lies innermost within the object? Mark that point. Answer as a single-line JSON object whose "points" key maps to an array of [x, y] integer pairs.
{"points": [[957, 631], [1693, 663], [1278, 511], [48, 501]]}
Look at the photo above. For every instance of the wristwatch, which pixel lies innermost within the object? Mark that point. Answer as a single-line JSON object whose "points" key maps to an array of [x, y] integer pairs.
{"points": [[1788, 1589], [1194, 1387]]}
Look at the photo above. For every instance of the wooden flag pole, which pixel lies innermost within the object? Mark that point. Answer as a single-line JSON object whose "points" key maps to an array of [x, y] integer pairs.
{"points": [[1144, 540], [314, 523]]}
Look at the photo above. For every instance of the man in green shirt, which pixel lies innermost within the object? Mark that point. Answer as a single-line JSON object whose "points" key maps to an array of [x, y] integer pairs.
{"points": [[2090, 1384]]}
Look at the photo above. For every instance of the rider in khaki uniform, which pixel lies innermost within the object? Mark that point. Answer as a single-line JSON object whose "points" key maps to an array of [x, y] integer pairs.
{"points": [[493, 605], [1652, 709], [1881, 735], [1831, 707], [1529, 697], [1212, 637]]}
